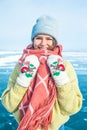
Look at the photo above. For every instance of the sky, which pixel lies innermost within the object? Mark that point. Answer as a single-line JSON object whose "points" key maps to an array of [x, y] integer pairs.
{"points": [[17, 18]]}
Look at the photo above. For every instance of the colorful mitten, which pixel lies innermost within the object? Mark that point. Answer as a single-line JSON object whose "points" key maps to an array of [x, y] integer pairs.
{"points": [[57, 69], [28, 70]]}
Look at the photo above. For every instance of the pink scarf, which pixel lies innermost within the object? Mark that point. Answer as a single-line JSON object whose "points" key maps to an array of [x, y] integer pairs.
{"points": [[37, 104]]}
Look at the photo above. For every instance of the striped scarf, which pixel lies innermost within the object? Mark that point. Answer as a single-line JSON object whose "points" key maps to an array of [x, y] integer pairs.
{"points": [[37, 104]]}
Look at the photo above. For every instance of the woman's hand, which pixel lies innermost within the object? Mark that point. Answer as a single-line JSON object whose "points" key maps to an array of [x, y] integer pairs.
{"points": [[28, 70], [57, 69]]}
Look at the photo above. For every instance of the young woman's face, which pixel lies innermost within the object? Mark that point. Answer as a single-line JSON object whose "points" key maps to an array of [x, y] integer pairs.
{"points": [[43, 41]]}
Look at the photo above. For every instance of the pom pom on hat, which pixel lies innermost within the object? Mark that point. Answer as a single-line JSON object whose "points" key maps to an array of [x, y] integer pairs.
{"points": [[45, 25]]}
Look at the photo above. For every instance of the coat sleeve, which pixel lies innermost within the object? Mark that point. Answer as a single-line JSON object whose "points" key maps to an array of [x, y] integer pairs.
{"points": [[69, 96], [14, 93]]}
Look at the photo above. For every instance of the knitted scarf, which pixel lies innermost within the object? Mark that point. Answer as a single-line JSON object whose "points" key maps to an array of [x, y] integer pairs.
{"points": [[37, 104]]}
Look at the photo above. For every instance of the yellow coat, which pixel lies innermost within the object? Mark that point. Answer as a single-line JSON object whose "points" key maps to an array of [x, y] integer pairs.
{"points": [[68, 103]]}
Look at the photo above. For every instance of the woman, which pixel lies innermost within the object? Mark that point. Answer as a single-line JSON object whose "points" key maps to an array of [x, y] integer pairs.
{"points": [[43, 89]]}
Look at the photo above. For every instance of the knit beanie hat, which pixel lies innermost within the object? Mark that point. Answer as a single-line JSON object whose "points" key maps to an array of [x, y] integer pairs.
{"points": [[45, 25]]}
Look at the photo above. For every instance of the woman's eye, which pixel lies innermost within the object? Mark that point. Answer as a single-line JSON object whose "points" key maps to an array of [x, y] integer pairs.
{"points": [[50, 39]]}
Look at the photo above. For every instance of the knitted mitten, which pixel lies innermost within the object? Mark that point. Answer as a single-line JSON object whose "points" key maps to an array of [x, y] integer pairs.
{"points": [[28, 70], [57, 69]]}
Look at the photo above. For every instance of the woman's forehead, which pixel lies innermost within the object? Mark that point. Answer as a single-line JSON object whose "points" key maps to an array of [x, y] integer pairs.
{"points": [[43, 35]]}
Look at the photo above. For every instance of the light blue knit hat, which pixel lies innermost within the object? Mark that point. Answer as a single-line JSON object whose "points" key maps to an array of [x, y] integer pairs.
{"points": [[45, 25]]}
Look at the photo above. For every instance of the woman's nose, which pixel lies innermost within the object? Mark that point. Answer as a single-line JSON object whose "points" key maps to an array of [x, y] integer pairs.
{"points": [[43, 41]]}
